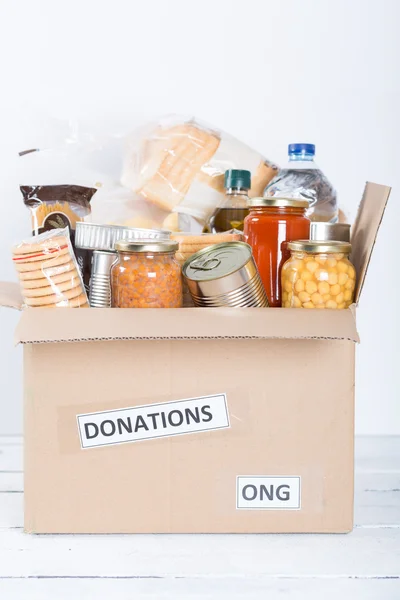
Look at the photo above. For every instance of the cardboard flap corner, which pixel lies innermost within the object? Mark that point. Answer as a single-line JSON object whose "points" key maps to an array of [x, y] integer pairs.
{"points": [[10, 295], [365, 229], [103, 324]]}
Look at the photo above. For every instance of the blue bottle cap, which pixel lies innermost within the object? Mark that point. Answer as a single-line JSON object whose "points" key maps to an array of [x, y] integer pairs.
{"points": [[301, 149]]}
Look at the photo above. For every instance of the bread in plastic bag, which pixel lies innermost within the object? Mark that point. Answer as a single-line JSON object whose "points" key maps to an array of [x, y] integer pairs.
{"points": [[178, 164], [48, 272]]}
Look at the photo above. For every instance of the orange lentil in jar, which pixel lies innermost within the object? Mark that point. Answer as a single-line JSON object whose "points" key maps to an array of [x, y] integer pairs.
{"points": [[146, 275]]}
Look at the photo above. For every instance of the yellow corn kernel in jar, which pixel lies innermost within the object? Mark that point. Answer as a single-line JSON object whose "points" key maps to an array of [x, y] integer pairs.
{"points": [[342, 266], [352, 272], [311, 287], [286, 304], [324, 287], [341, 305], [320, 305], [331, 262], [321, 275], [292, 275], [296, 302], [284, 296], [335, 289], [304, 297], [326, 297], [289, 297], [342, 278], [312, 266], [308, 305], [306, 275], [288, 286], [332, 278], [331, 304], [340, 298], [299, 285], [321, 260], [347, 295], [316, 298], [339, 256]]}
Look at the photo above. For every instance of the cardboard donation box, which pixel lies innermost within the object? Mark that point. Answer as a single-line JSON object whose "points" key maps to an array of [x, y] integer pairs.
{"points": [[192, 420]]}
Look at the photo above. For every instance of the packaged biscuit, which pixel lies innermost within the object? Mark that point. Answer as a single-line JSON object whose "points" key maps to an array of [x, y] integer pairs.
{"points": [[48, 271], [57, 206]]}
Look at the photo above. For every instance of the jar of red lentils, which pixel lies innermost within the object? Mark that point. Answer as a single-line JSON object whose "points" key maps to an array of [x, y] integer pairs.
{"points": [[318, 275], [146, 275]]}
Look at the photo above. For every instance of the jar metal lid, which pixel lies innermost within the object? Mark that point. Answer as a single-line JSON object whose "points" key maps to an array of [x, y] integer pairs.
{"points": [[318, 247], [150, 246], [217, 261], [271, 201]]}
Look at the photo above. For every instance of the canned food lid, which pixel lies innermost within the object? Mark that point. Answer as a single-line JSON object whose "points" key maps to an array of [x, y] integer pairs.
{"points": [[217, 261], [277, 201], [322, 230], [146, 246], [91, 236], [319, 246]]}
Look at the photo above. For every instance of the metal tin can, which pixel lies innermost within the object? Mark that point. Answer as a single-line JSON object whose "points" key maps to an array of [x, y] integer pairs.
{"points": [[90, 237], [224, 275], [336, 232], [100, 286], [103, 237]]}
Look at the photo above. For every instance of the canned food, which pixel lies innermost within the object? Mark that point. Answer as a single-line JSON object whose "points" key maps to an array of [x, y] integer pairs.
{"points": [[90, 237], [337, 232], [100, 284], [146, 275], [224, 275]]}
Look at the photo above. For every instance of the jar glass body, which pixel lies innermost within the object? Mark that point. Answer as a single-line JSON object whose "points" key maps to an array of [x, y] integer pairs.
{"points": [[268, 229], [318, 280], [146, 280]]}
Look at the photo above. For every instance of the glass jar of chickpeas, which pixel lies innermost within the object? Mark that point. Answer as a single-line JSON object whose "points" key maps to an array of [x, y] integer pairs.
{"points": [[318, 275], [146, 275]]}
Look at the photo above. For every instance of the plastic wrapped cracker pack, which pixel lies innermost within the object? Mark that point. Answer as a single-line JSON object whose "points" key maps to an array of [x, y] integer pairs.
{"points": [[48, 272]]}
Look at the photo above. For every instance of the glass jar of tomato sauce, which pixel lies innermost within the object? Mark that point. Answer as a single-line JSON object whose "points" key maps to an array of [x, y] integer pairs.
{"points": [[146, 275], [271, 223]]}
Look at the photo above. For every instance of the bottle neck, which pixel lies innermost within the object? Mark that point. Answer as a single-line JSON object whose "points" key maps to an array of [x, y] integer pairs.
{"points": [[236, 192], [301, 156]]}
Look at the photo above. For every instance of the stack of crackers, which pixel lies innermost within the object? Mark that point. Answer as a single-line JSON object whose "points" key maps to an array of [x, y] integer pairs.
{"points": [[48, 274], [190, 244]]}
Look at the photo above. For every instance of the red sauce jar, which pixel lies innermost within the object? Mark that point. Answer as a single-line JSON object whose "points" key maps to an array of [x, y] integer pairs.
{"points": [[271, 223]]}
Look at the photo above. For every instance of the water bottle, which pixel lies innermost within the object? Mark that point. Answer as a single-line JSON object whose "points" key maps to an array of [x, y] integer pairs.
{"points": [[302, 178]]}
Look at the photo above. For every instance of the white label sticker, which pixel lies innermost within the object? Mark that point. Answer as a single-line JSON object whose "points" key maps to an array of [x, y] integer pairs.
{"points": [[263, 492], [151, 421]]}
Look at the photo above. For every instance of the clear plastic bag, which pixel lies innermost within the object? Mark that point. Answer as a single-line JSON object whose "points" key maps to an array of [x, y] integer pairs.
{"points": [[178, 163], [48, 271]]}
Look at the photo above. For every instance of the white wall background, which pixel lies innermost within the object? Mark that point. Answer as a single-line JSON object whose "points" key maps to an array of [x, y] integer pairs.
{"points": [[324, 71]]}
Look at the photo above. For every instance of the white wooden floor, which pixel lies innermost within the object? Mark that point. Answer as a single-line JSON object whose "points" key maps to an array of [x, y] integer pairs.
{"points": [[364, 564]]}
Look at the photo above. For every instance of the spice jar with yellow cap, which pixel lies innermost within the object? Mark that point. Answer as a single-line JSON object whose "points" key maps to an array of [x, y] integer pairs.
{"points": [[318, 274]]}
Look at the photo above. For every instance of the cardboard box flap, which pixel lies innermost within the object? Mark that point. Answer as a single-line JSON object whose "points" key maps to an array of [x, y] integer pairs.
{"points": [[365, 229], [10, 295], [73, 325]]}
